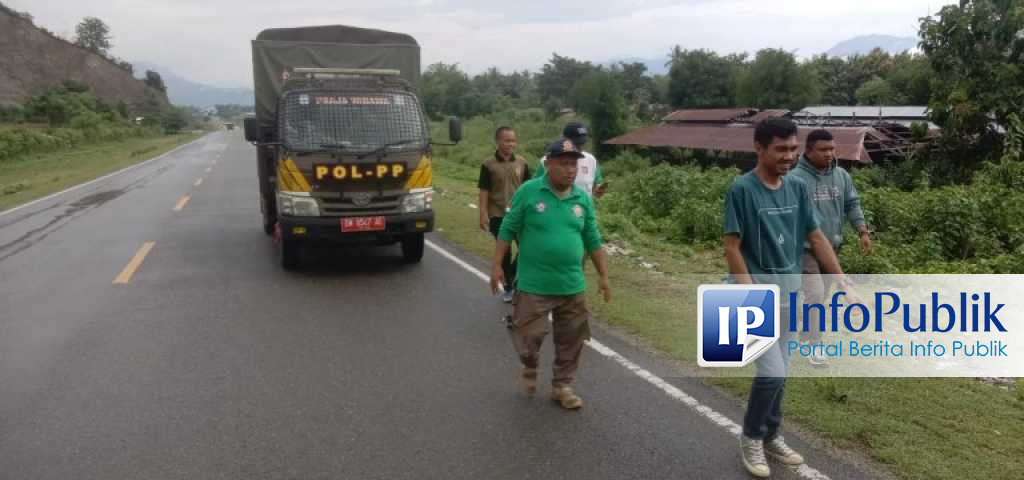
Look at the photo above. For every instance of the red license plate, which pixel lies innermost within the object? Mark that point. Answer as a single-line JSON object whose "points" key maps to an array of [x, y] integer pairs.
{"points": [[363, 224]]}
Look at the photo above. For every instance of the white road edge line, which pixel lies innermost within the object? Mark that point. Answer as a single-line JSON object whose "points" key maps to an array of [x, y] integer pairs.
{"points": [[672, 391], [95, 180]]}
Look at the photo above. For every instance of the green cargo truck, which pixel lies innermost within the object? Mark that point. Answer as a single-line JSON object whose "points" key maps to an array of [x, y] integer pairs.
{"points": [[343, 145]]}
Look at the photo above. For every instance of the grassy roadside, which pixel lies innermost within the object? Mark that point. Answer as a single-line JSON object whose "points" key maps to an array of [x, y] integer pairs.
{"points": [[34, 176], [942, 428]]}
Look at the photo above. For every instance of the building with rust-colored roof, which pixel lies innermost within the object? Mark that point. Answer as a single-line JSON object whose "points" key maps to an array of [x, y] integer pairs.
{"points": [[732, 130]]}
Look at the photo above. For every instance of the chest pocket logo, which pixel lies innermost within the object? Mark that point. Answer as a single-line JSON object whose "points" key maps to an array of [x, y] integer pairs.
{"points": [[541, 207], [776, 234], [578, 211]]}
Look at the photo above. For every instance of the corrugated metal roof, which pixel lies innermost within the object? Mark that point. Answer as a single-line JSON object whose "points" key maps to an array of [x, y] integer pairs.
{"points": [[864, 111], [736, 138], [709, 115], [763, 114]]}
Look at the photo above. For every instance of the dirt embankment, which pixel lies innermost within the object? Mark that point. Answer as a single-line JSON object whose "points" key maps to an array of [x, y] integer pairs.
{"points": [[32, 60]]}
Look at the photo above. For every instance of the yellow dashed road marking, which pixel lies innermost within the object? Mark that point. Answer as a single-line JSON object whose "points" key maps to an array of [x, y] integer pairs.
{"points": [[181, 203], [134, 264]]}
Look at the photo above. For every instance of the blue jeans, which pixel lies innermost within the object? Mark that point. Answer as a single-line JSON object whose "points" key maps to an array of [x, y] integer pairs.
{"points": [[764, 408]]}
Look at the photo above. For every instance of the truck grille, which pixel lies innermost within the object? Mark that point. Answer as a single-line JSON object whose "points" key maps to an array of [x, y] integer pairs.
{"points": [[348, 205]]}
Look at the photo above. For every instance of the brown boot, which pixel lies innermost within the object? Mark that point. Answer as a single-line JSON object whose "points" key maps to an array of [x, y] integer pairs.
{"points": [[528, 381], [566, 398]]}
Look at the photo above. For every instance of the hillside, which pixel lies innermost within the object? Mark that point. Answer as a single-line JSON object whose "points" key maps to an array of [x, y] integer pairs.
{"points": [[34, 60], [182, 91]]}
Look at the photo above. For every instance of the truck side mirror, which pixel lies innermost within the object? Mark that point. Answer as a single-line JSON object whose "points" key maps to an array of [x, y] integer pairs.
{"points": [[454, 130], [252, 129]]}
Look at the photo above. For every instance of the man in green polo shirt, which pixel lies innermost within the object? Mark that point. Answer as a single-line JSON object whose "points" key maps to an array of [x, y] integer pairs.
{"points": [[554, 223]]}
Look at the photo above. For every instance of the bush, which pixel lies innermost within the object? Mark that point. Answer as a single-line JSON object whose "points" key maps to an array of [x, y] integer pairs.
{"points": [[973, 228], [624, 164], [617, 226]]}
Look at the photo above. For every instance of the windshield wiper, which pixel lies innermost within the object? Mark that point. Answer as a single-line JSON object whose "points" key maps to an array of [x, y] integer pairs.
{"points": [[386, 146]]}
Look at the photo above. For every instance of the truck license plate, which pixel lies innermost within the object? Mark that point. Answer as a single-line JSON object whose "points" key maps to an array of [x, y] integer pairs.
{"points": [[363, 224]]}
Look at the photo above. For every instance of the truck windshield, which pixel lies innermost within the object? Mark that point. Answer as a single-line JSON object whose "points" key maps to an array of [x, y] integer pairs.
{"points": [[363, 122]]}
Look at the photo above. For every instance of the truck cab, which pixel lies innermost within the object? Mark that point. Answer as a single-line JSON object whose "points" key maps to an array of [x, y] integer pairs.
{"points": [[343, 152]]}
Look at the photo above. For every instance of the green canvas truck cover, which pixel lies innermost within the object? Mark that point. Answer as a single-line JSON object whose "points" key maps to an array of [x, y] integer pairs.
{"points": [[276, 51]]}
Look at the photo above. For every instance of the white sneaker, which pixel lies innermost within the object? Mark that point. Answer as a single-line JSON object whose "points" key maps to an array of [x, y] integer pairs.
{"points": [[509, 295], [752, 452], [815, 359], [777, 449]]}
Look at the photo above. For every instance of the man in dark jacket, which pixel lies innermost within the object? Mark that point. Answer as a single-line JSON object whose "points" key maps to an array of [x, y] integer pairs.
{"points": [[835, 199]]}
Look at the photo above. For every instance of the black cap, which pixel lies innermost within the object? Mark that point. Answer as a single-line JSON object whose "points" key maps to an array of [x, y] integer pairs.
{"points": [[563, 147], [577, 132]]}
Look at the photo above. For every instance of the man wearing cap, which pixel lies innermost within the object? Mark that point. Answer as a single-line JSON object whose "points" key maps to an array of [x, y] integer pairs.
{"points": [[588, 176], [553, 221]]}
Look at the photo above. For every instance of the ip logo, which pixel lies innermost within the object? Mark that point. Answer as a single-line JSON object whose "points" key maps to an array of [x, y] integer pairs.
{"points": [[735, 323]]}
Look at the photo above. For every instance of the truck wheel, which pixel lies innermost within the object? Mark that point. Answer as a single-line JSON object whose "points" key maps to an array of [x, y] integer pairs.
{"points": [[290, 254], [412, 247]]}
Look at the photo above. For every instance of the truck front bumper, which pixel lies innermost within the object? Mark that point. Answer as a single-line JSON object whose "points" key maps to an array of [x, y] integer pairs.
{"points": [[329, 228]]}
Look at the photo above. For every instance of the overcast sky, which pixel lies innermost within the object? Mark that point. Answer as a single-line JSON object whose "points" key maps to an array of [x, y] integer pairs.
{"points": [[208, 40]]}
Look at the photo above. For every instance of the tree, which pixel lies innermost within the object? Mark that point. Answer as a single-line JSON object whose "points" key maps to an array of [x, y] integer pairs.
{"points": [[976, 50], [445, 88], [94, 35], [636, 85], [175, 119], [599, 97], [154, 80], [557, 76], [703, 79], [776, 80], [231, 111], [911, 78], [877, 91], [836, 84]]}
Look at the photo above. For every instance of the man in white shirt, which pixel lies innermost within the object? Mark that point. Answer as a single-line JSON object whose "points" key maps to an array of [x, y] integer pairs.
{"points": [[588, 175]]}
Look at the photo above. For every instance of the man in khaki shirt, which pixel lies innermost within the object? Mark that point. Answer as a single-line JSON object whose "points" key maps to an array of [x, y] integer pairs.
{"points": [[501, 175]]}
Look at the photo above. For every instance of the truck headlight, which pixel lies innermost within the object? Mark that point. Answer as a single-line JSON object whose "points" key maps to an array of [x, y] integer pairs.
{"points": [[418, 200], [299, 204]]}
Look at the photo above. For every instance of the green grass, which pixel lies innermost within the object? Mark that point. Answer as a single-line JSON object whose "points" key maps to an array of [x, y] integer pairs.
{"points": [[34, 176], [920, 428]]}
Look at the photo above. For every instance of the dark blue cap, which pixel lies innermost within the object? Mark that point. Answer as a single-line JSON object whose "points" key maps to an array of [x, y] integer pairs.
{"points": [[563, 146], [577, 132]]}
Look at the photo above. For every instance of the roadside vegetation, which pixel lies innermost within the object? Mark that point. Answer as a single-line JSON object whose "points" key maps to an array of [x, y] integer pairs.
{"points": [[954, 207], [65, 136]]}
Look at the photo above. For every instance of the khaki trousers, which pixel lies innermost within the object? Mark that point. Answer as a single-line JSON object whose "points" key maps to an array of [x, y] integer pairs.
{"points": [[571, 325]]}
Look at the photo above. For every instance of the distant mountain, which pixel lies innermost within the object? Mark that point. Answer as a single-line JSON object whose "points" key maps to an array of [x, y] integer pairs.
{"points": [[866, 43], [182, 91]]}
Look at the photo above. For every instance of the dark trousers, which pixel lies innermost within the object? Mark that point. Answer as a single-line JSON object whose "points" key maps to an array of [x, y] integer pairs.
{"points": [[508, 264], [764, 408]]}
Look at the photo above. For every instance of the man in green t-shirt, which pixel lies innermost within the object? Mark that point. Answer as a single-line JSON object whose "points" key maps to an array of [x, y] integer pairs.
{"points": [[768, 216], [554, 223]]}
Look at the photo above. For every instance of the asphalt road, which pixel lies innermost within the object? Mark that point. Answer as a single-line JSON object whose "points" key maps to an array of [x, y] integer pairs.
{"points": [[208, 360]]}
